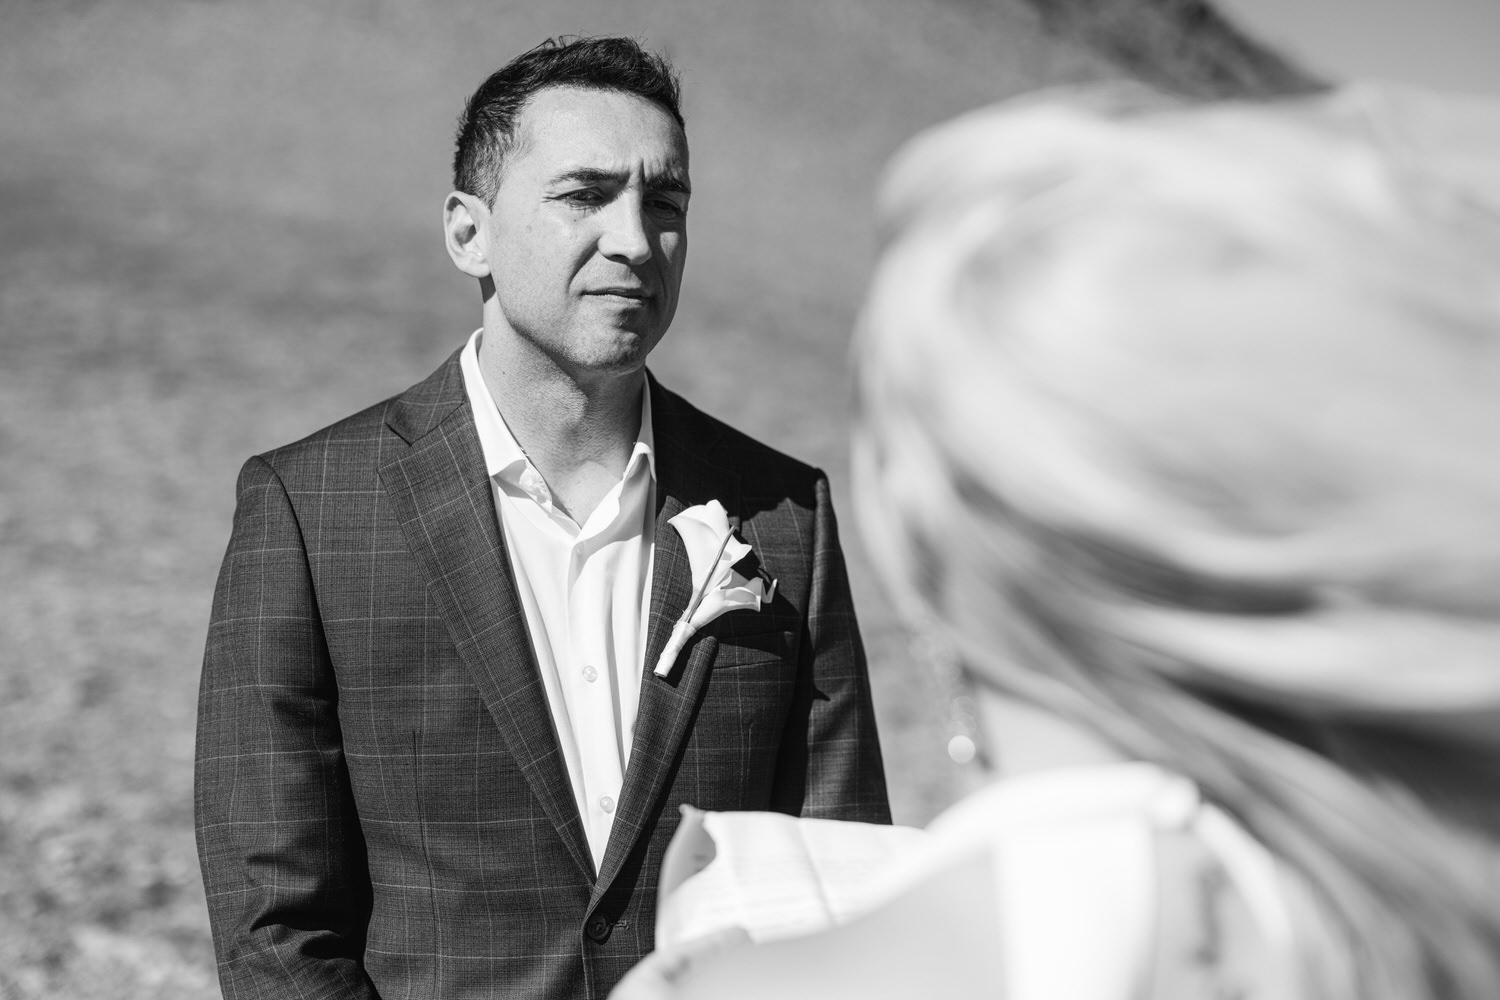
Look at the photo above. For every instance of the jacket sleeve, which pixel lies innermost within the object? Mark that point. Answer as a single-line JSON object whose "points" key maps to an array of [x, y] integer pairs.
{"points": [[280, 845], [829, 765]]}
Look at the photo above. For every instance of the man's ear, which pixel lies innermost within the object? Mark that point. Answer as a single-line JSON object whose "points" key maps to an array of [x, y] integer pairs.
{"points": [[464, 221]]}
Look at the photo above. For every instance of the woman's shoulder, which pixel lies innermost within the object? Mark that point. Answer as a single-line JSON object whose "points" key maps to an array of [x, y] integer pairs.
{"points": [[1107, 882], [1115, 881]]}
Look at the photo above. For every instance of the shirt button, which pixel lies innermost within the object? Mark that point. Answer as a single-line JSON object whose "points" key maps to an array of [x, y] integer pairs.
{"points": [[607, 804], [590, 674]]}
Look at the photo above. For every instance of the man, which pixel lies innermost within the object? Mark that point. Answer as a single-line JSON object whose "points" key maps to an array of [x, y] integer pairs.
{"points": [[435, 757]]}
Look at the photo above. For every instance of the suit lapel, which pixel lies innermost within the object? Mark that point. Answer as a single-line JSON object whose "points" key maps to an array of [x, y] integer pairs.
{"points": [[667, 706], [443, 501]]}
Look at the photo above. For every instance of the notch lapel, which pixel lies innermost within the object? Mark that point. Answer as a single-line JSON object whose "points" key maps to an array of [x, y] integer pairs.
{"points": [[667, 705], [442, 499]]}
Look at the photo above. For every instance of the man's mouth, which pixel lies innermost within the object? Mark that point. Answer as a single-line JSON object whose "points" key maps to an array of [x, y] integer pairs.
{"points": [[634, 294]]}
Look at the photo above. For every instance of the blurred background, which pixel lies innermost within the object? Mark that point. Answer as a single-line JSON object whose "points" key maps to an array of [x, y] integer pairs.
{"points": [[219, 232]]}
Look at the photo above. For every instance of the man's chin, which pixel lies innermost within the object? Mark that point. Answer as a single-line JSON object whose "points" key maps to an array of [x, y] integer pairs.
{"points": [[625, 348], [619, 360]]}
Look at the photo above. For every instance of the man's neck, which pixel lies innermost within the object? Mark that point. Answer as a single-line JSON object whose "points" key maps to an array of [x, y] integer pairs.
{"points": [[578, 433]]}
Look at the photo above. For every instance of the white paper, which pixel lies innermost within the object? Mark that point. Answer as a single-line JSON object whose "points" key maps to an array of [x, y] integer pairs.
{"points": [[773, 875]]}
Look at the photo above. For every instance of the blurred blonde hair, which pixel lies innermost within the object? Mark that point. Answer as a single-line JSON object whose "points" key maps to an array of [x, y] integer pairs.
{"points": [[1184, 422]]}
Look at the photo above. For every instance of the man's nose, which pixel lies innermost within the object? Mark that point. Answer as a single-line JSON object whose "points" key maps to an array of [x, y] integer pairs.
{"points": [[626, 237]]}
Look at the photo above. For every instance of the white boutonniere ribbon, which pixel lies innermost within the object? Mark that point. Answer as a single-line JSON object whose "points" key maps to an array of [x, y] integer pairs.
{"points": [[713, 552]]}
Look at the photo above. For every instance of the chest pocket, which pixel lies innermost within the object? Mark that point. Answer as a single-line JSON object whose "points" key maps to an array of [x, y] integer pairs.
{"points": [[750, 685], [743, 647]]}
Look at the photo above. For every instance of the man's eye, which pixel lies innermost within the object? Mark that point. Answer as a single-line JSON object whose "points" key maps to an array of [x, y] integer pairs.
{"points": [[667, 208], [587, 196]]}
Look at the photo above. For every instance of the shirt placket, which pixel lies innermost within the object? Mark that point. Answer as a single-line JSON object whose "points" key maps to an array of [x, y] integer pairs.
{"points": [[591, 668]]}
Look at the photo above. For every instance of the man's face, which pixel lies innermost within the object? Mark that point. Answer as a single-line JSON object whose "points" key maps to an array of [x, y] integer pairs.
{"points": [[588, 234]]}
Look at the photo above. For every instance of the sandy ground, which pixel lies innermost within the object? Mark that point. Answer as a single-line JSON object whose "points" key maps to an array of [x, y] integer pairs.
{"points": [[218, 232]]}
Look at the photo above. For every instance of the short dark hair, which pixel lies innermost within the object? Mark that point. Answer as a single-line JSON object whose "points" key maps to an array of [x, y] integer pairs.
{"points": [[487, 128]]}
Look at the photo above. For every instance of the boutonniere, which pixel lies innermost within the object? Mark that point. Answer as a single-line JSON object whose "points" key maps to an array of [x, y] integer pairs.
{"points": [[713, 552]]}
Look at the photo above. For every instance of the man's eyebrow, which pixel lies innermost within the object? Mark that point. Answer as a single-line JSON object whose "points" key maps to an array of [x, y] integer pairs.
{"points": [[672, 182], [675, 183], [588, 175]]}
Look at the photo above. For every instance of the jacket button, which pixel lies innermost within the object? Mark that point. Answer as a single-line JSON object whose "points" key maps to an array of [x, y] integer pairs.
{"points": [[597, 929]]}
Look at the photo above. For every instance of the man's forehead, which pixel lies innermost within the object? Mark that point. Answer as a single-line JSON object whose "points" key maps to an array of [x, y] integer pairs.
{"points": [[587, 118]]}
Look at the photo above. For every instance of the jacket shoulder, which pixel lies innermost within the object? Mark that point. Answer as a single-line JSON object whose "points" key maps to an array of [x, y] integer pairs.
{"points": [[361, 442], [728, 446], [355, 441]]}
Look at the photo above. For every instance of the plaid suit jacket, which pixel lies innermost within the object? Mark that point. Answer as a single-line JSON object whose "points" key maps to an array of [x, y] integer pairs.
{"points": [[382, 807]]}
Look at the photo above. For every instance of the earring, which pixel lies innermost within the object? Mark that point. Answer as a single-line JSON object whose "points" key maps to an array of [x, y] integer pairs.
{"points": [[941, 664]]}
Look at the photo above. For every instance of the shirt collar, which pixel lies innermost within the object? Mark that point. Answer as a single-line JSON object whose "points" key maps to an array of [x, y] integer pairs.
{"points": [[503, 456]]}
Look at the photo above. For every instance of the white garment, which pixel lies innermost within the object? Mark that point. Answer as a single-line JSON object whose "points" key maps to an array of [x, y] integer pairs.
{"points": [[586, 591], [1124, 863], [1101, 882]]}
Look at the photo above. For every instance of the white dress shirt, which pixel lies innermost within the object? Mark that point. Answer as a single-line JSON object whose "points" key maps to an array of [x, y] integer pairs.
{"points": [[586, 591]]}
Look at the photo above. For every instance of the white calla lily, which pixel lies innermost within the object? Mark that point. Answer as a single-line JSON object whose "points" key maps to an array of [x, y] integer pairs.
{"points": [[713, 552]]}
